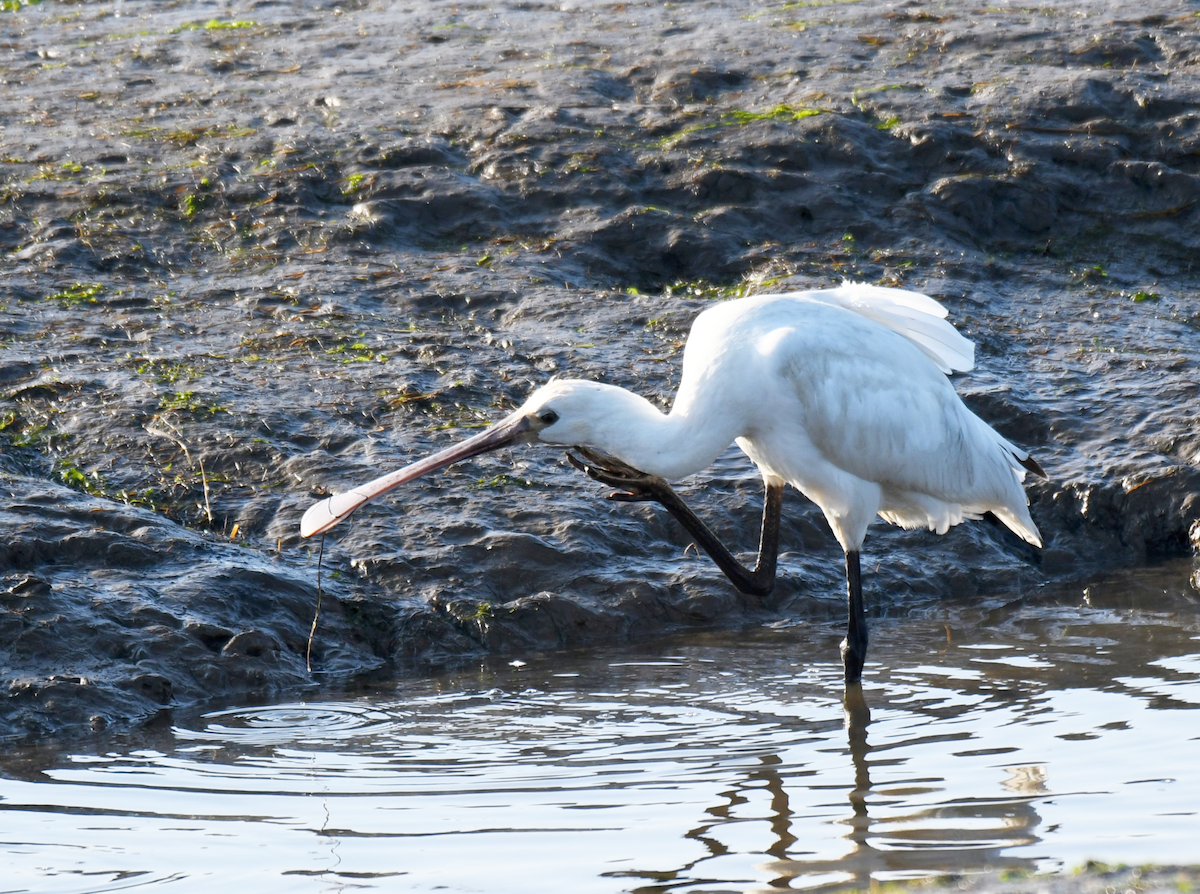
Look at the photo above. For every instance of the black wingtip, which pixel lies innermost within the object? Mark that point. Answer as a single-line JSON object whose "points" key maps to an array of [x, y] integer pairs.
{"points": [[1031, 464]]}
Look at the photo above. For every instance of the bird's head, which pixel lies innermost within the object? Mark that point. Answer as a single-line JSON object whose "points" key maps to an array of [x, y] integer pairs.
{"points": [[570, 412]]}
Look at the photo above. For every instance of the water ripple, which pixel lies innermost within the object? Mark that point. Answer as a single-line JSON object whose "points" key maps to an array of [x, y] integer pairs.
{"points": [[298, 723]]}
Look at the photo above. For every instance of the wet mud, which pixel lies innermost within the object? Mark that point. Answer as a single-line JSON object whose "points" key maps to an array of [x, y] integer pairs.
{"points": [[252, 255]]}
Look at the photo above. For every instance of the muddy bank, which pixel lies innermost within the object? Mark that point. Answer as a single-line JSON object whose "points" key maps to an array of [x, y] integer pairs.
{"points": [[1094, 878], [253, 255]]}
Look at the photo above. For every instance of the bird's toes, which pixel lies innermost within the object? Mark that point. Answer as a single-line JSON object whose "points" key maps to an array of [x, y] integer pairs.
{"points": [[609, 464], [624, 496], [608, 470], [597, 474]]}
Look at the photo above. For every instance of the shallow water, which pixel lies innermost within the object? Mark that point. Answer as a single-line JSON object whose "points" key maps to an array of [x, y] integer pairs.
{"points": [[1029, 735]]}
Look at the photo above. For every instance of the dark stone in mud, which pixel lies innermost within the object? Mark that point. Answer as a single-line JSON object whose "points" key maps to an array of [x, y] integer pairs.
{"points": [[247, 266]]}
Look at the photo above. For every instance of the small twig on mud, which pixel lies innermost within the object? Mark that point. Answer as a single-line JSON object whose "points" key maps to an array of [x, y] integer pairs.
{"points": [[204, 484], [182, 446], [170, 437], [313, 630]]}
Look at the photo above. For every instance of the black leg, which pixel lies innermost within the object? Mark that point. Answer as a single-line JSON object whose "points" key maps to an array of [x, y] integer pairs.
{"points": [[768, 539], [854, 646], [638, 486]]}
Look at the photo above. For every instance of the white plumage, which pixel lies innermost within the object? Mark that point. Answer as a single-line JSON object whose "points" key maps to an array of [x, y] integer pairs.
{"points": [[836, 392], [841, 393]]}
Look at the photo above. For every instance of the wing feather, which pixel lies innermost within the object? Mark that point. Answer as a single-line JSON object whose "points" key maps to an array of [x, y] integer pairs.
{"points": [[874, 406], [917, 317]]}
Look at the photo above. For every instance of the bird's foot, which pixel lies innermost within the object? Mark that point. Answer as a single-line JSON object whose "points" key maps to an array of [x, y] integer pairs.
{"points": [[635, 485]]}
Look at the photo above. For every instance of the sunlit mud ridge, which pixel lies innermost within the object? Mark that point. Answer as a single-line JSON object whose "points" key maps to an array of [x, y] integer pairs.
{"points": [[251, 260]]}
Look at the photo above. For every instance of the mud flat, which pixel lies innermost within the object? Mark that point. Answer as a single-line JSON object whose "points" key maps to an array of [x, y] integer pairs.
{"points": [[1094, 878], [255, 254]]}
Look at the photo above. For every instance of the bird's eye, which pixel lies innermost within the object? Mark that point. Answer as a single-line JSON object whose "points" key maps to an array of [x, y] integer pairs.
{"points": [[548, 417]]}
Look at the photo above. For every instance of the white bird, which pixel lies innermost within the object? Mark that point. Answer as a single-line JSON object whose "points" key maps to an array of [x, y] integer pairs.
{"points": [[841, 393]]}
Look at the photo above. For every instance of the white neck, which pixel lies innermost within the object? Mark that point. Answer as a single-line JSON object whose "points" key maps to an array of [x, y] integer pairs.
{"points": [[670, 445]]}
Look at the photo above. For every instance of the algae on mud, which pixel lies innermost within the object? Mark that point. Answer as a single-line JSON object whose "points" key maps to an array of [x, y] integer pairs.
{"points": [[293, 208]]}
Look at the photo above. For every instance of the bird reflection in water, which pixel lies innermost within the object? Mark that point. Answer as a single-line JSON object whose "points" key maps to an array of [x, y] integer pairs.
{"points": [[948, 838]]}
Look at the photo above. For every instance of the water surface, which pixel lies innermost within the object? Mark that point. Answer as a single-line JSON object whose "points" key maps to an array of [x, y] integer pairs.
{"points": [[1028, 735]]}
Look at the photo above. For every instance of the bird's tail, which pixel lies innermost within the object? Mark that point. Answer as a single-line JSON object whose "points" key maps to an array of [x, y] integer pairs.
{"points": [[1015, 514], [1020, 523]]}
